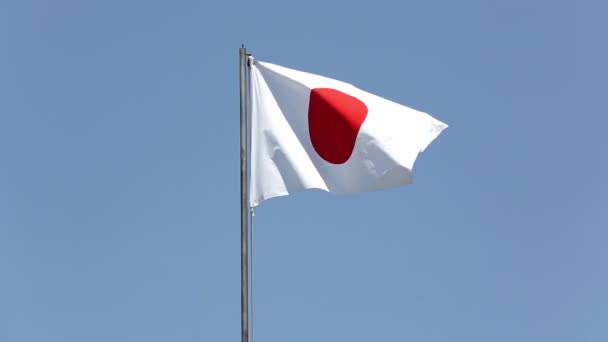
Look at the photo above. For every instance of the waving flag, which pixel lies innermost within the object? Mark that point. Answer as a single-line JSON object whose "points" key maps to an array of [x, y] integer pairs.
{"points": [[309, 131]]}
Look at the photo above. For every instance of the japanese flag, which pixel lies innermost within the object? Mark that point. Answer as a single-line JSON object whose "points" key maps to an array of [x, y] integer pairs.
{"points": [[310, 131]]}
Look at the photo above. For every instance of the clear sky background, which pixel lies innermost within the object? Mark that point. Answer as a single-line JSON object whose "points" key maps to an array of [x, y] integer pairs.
{"points": [[119, 174]]}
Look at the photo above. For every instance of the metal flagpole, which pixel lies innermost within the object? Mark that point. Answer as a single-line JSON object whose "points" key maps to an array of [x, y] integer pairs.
{"points": [[244, 204]]}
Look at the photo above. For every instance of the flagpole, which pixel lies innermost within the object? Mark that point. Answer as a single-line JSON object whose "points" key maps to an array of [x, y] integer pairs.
{"points": [[244, 206]]}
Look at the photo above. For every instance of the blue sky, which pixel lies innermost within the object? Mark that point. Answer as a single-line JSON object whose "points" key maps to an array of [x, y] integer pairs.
{"points": [[119, 174]]}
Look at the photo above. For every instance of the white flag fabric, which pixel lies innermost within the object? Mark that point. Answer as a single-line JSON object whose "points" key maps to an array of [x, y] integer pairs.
{"points": [[310, 131]]}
